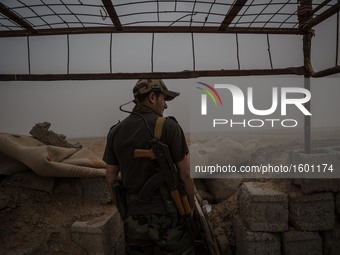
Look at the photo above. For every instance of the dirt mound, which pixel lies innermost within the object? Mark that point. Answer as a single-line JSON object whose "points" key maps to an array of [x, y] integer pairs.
{"points": [[36, 222]]}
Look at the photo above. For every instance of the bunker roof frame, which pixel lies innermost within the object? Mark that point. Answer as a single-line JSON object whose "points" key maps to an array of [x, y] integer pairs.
{"points": [[67, 17]]}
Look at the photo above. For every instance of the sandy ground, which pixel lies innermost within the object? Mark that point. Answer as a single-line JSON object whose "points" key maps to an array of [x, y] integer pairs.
{"points": [[35, 222]]}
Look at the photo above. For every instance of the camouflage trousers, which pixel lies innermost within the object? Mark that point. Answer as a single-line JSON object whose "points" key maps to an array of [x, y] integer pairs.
{"points": [[156, 234]]}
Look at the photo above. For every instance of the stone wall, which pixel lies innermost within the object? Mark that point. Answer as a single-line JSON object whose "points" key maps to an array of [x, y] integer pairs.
{"points": [[276, 220], [101, 235]]}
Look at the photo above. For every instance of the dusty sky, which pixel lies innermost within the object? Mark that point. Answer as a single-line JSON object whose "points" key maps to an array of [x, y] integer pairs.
{"points": [[89, 108]]}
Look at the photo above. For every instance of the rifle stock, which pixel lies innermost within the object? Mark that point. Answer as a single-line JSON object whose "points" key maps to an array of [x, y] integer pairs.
{"points": [[140, 153], [186, 204], [178, 202]]}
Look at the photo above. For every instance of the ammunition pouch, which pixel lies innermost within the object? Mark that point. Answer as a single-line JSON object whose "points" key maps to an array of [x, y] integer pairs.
{"points": [[119, 193]]}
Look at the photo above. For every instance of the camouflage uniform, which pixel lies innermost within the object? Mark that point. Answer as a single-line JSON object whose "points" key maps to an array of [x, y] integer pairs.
{"points": [[156, 234]]}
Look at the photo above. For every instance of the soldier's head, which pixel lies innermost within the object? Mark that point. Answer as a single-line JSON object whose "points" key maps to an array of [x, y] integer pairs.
{"points": [[153, 93]]}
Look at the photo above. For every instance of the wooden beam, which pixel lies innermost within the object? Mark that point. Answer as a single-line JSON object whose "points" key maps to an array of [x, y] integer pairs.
{"points": [[321, 5], [326, 72], [304, 12], [158, 75], [230, 16], [307, 119], [113, 14], [321, 17], [17, 19], [149, 29]]}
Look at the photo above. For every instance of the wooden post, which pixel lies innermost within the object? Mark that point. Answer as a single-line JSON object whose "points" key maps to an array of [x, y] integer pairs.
{"points": [[304, 13], [307, 120]]}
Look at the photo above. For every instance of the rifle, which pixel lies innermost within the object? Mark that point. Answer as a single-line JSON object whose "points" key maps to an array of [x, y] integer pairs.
{"points": [[160, 152]]}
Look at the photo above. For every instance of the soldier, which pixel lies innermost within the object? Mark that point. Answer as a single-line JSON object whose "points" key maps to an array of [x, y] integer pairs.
{"points": [[152, 224]]}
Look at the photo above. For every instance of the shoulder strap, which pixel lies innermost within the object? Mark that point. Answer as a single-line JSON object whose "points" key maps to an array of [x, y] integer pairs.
{"points": [[159, 127]]}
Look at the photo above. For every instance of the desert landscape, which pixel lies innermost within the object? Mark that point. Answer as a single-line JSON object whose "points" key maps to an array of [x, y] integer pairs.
{"points": [[37, 212]]}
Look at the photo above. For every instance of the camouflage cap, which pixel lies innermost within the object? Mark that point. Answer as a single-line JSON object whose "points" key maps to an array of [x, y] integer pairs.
{"points": [[145, 86]]}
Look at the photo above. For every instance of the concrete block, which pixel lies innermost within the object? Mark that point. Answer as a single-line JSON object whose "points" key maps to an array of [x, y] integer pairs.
{"points": [[331, 241], [262, 208], [255, 243], [301, 242], [101, 235], [312, 212], [318, 185]]}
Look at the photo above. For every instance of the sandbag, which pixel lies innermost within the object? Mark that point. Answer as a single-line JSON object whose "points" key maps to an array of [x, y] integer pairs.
{"points": [[222, 151]]}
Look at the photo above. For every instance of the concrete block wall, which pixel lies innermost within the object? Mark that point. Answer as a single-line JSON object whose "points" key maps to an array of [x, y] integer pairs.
{"points": [[93, 188], [312, 212], [301, 242], [288, 222], [255, 243], [331, 240], [309, 186], [337, 204], [101, 235], [263, 209]]}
